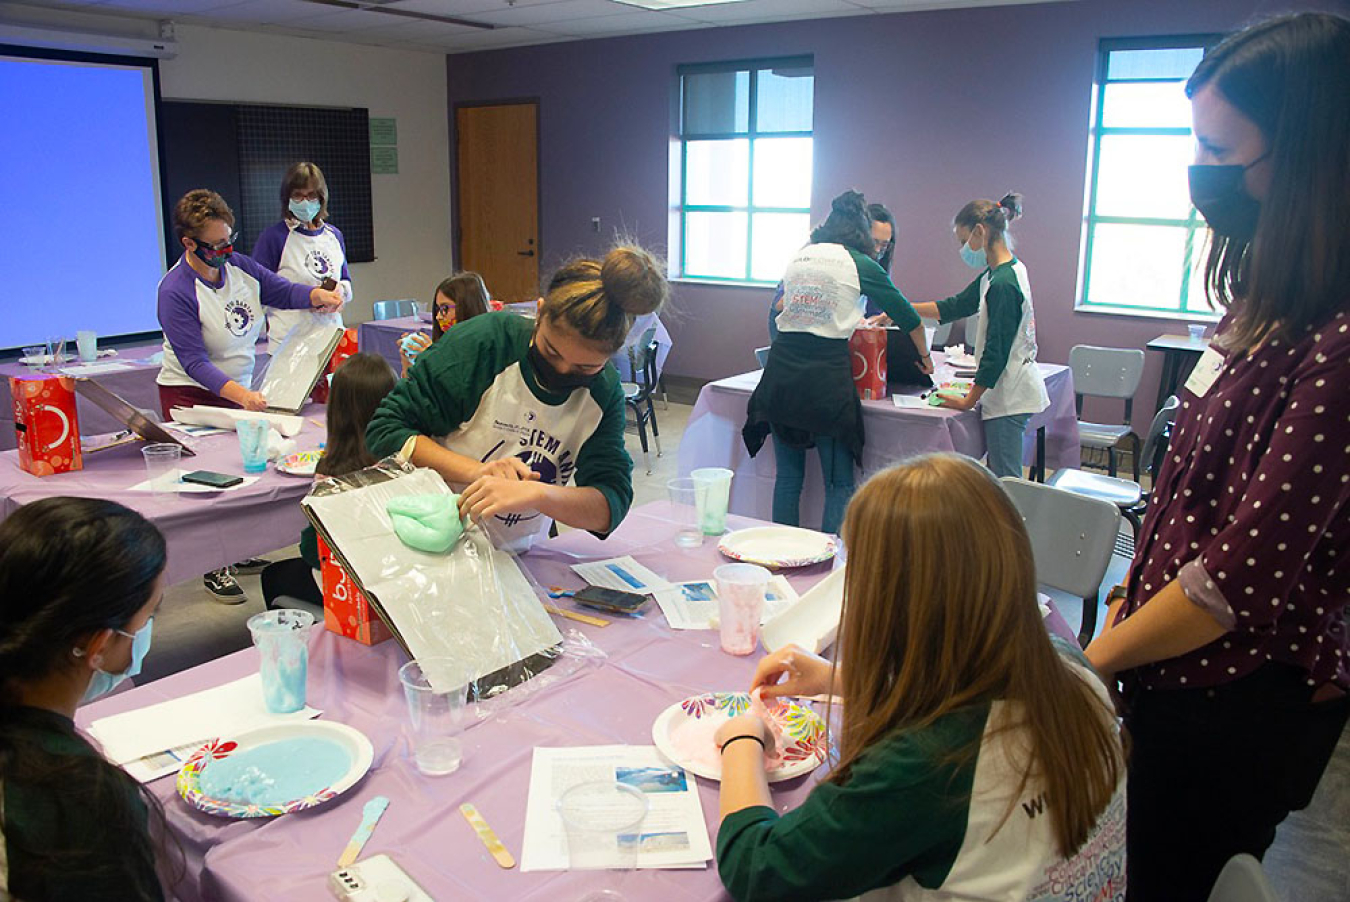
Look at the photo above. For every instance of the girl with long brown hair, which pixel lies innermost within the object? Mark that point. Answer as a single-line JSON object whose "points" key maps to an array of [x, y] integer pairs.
{"points": [[974, 760], [360, 383], [458, 298]]}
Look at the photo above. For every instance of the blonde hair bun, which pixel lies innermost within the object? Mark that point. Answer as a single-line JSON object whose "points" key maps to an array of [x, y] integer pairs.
{"points": [[632, 278]]}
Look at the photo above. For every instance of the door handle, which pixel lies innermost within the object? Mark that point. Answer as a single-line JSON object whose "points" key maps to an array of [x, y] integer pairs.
{"points": [[525, 253]]}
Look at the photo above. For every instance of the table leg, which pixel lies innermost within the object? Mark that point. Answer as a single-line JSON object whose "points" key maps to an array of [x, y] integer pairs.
{"points": [[1167, 382]]}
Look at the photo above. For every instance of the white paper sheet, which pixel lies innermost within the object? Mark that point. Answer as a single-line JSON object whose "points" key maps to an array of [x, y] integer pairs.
{"points": [[622, 573], [95, 369], [223, 710], [178, 485], [674, 833], [693, 605], [225, 418], [910, 402]]}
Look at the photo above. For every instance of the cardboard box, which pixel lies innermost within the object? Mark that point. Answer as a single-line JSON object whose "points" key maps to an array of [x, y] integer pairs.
{"points": [[46, 423], [867, 349], [346, 611]]}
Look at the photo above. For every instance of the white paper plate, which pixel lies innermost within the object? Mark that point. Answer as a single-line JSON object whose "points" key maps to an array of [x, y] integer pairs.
{"points": [[301, 463], [778, 546], [351, 740], [803, 729]]}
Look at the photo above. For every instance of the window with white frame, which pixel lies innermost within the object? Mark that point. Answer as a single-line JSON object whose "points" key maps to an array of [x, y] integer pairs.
{"points": [[1145, 244], [745, 168]]}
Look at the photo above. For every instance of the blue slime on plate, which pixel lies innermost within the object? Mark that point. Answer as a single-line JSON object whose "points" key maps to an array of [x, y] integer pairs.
{"points": [[276, 773]]}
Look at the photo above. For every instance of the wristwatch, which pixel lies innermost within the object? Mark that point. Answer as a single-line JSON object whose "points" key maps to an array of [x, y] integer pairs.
{"points": [[1116, 594]]}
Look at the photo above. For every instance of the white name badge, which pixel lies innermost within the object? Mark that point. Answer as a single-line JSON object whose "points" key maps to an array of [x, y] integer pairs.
{"points": [[1207, 369]]}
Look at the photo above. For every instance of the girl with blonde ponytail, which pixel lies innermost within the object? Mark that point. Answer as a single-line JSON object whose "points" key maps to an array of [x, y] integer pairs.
{"points": [[525, 419]]}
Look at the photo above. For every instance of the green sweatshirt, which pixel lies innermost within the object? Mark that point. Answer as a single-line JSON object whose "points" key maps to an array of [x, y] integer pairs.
{"points": [[71, 816], [475, 392], [928, 814], [1004, 300]]}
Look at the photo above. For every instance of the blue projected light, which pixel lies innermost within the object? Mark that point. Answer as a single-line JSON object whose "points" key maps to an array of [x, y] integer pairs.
{"points": [[81, 235]]}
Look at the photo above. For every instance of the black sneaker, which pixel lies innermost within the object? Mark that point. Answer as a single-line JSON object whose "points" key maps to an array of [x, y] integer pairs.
{"points": [[223, 587], [250, 565]]}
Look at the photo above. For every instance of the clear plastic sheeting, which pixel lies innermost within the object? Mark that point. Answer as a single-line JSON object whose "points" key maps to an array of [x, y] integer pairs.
{"points": [[293, 371], [473, 604]]}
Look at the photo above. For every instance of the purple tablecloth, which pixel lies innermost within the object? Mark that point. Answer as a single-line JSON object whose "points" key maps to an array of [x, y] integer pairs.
{"points": [[204, 530], [381, 337], [712, 438], [647, 668], [137, 385]]}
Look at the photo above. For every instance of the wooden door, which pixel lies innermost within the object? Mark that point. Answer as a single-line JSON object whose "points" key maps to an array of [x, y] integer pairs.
{"points": [[498, 196]]}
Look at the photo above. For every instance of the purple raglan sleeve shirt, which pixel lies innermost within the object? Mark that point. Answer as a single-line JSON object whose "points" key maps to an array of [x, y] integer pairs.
{"points": [[180, 319]]}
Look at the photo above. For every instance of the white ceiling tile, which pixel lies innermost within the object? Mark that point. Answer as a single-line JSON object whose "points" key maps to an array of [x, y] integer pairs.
{"points": [[623, 23], [546, 13], [264, 12], [462, 8], [413, 31], [768, 9], [169, 9]]}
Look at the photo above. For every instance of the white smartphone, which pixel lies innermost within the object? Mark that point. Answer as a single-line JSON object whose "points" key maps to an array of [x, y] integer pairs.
{"points": [[377, 879]]}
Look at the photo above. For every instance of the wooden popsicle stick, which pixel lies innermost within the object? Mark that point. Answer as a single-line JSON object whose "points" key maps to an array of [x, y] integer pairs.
{"points": [[487, 835], [573, 615]]}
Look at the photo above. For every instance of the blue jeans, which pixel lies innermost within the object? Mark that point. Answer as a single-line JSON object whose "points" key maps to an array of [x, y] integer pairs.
{"points": [[836, 465], [1003, 439]]}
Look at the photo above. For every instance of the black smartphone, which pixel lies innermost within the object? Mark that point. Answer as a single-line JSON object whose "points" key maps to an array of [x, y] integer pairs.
{"points": [[610, 600], [214, 480]]}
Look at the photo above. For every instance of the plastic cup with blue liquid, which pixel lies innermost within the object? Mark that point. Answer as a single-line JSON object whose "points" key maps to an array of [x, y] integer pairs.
{"points": [[253, 444], [282, 638]]}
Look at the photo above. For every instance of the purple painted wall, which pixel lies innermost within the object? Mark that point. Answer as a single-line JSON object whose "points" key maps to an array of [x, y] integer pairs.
{"points": [[921, 111]]}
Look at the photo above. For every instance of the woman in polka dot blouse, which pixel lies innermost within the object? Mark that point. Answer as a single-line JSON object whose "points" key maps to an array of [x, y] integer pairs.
{"points": [[1230, 637]]}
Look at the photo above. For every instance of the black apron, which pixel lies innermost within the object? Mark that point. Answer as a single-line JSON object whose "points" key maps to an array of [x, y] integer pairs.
{"points": [[806, 390]]}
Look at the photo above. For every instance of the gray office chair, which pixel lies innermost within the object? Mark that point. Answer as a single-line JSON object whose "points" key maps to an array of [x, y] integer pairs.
{"points": [[394, 309], [638, 394], [1072, 540], [762, 357], [1107, 373], [942, 332], [1242, 880], [1125, 494]]}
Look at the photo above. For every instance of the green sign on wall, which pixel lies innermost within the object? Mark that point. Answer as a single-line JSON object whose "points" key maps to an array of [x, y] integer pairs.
{"points": [[384, 160], [383, 132]]}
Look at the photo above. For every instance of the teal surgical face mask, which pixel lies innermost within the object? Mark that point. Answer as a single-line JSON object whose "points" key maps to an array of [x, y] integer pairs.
{"points": [[973, 259], [104, 682], [304, 210]]}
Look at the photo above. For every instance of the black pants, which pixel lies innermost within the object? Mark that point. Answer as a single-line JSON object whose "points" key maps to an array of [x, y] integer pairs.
{"points": [[293, 578], [1212, 772]]}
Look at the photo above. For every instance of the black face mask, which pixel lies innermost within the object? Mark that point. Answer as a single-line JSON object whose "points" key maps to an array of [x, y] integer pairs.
{"points": [[1220, 196], [550, 380]]}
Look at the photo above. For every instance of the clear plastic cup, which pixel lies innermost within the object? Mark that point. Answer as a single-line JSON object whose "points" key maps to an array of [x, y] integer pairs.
{"points": [[712, 494], [253, 444], [56, 349], [603, 822], [684, 511], [282, 637], [161, 467], [436, 711], [33, 357], [740, 605], [86, 343], [1197, 331]]}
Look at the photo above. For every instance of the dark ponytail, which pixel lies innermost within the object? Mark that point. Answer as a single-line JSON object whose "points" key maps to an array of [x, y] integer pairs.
{"points": [[848, 224], [68, 568], [995, 217]]}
